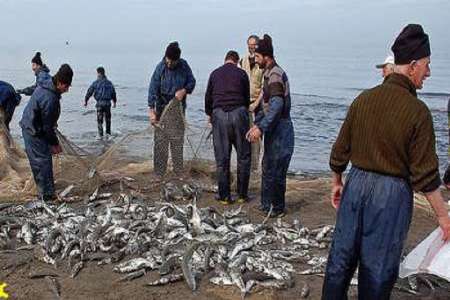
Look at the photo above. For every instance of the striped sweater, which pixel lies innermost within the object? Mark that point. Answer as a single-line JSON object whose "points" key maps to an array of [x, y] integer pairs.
{"points": [[389, 131]]}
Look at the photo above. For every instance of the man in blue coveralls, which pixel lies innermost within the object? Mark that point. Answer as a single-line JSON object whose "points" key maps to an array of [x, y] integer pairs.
{"points": [[103, 91], [273, 119], [172, 80], [39, 122]]}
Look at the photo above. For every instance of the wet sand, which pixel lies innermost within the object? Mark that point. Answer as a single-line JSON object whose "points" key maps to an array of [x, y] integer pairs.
{"points": [[307, 200]]}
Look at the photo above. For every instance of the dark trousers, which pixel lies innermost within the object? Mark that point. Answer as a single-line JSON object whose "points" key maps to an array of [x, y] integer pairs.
{"points": [[40, 158], [446, 178], [164, 139], [104, 112], [256, 148], [229, 129], [372, 223], [278, 150]]}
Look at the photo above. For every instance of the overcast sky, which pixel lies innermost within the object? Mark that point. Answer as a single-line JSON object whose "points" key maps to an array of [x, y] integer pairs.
{"points": [[143, 22], [139, 30]]}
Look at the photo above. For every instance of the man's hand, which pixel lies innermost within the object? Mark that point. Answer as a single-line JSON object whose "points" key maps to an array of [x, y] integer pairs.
{"points": [[85, 103], [336, 192], [254, 134], [444, 223], [441, 210], [253, 106], [152, 116], [209, 121], [180, 94], [56, 149], [114, 104]]}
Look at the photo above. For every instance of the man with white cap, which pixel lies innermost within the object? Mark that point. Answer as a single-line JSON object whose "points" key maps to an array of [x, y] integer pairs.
{"points": [[387, 67]]}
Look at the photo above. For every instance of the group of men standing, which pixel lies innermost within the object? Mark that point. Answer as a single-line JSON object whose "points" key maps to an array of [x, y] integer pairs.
{"points": [[244, 100], [40, 116]]}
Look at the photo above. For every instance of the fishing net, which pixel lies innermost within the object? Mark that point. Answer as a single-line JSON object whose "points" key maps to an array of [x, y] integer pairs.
{"points": [[187, 149], [14, 168], [169, 150]]}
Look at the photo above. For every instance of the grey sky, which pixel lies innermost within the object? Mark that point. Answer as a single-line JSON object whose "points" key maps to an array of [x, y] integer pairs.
{"points": [[139, 22], [136, 32]]}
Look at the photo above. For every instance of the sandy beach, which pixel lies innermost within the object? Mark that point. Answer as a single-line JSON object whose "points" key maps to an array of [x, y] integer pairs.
{"points": [[307, 201]]}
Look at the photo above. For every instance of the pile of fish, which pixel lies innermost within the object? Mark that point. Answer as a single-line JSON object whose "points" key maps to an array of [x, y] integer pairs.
{"points": [[173, 241]]}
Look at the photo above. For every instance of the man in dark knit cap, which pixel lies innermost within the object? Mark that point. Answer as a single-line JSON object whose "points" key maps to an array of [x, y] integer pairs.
{"points": [[104, 92], [172, 80], [273, 119], [41, 71], [388, 137], [39, 122], [227, 99]]}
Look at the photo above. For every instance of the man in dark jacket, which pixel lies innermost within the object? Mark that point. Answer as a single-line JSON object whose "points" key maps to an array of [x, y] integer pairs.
{"points": [[172, 80], [39, 122], [104, 92], [41, 72], [388, 136], [9, 99], [273, 119], [227, 100]]}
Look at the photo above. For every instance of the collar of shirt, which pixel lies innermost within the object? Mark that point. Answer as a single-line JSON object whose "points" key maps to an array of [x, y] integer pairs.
{"points": [[402, 81]]}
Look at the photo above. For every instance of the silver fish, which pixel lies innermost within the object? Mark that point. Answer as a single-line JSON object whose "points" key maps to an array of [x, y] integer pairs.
{"points": [[132, 275], [42, 274], [305, 291], [66, 191], [312, 271], [412, 282], [54, 286], [166, 280], [94, 195], [322, 233], [241, 247], [221, 280], [186, 266], [134, 265], [76, 269]]}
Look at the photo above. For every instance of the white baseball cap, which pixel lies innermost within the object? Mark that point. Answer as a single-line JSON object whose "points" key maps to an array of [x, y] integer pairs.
{"points": [[388, 60]]}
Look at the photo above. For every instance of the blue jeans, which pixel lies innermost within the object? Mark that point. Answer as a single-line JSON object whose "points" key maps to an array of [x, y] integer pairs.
{"points": [[278, 150], [372, 224]]}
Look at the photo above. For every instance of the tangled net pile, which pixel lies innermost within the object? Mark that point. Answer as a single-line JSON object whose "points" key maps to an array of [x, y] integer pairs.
{"points": [[78, 172]]}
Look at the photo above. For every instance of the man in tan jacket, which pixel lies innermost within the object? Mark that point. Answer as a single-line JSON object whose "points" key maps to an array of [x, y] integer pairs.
{"points": [[255, 75]]}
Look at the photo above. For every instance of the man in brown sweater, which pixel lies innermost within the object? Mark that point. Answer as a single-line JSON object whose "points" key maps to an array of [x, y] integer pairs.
{"points": [[388, 137]]}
